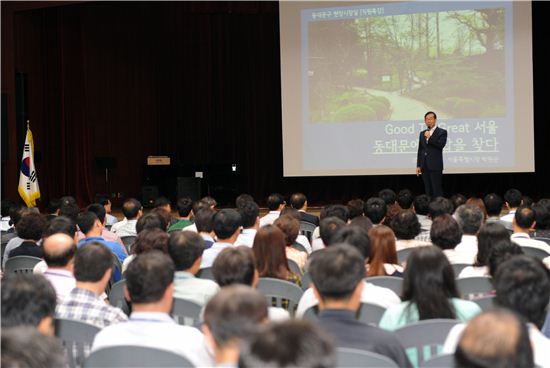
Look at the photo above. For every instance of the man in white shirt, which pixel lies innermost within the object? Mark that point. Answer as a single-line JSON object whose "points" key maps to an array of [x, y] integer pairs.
{"points": [[227, 226], [249, 212], [132, 210], [523, 223], [512, 200], [59, 250], [470, 219], [275, 204], [150, 287], [186, 248]]}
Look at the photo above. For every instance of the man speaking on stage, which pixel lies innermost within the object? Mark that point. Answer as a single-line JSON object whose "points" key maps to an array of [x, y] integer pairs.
{"points": [[429, 162]]}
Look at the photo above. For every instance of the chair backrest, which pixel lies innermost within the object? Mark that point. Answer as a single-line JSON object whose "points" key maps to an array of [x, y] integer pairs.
{"points": [[294, 267], [307, 228], [370, 313], [474, 287], [403, 254], [116, 297], [485, 303], [445, 360], [299, 247], [206, 274], [135, 356], [346, 357], [458, 267], [391, 282], [306, 281], [21, 264], [280, 290], [186, 312], [546, 240], [424, 339], [128, 241], [311, 314], [116, 275], [77, 339], [535, 252]]}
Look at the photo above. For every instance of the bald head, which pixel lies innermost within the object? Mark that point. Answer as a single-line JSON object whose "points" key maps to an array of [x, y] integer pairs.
{"points": [[59, 250]]}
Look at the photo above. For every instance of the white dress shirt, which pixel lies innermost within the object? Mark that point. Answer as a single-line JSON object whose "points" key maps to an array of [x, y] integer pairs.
{"points": [[155, 330], [523, 240], [5, 224], [246, 237], [210, 254], [125, 228], [269, 218], [191, 227], [508, 218], [189, 287], [62, 281], [464, 252]]}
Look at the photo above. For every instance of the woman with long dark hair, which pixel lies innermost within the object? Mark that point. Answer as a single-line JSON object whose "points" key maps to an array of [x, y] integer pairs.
{"points": [[429, 291], [383, 254]]}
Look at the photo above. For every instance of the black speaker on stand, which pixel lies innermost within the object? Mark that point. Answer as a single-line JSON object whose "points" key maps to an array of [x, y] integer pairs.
{"points": [[106, 163]]}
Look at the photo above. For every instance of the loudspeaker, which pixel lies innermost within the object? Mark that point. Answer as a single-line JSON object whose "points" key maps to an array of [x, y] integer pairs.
{"points": [[189, 187], [148, 194]]}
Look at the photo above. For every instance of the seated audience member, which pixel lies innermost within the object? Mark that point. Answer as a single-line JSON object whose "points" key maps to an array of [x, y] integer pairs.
{"points": [[300, 239], [68, 200], [93, 265], [337, 274], [59, 251], [362, 222], [106, 203], [28, 300], [152, 220], [355, 208], [186, 248], [250, 217], [523, 224], [164, 203], [494, 339], [99, 210], [327, 228], [275, 204], [205, 226], [429, 291], [405, 199], [421, 207], [375, 209], [227, 227], [209, 202], [149, 286], [500, 252], [446, 234], [457, 200], [146, 241], [238, 266], [359, 239], [185, 212], [164, 215], [30, 229], [383, 254], [470, 219], [290, 227], [13, 240], [90, 225], [242, 199], [542, 218], [230, 317], [490, 234], [512, 200], [58, 225], [5, 223], [479, 203], [493, 204], [70, 210], [299, 202], [392, 206], [440, 206], [334, 210], [53, 209], [522, 285], [406, 227], [132, 210], [270, 255], [206, 202], [26, 347], [291, 343]]}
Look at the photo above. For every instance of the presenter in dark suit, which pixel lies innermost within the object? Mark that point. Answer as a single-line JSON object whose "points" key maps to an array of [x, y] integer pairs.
{"points": [[429, 161]]}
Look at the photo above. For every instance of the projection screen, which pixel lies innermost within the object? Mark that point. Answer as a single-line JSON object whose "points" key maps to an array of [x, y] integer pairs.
{"points": [[357, 79]]}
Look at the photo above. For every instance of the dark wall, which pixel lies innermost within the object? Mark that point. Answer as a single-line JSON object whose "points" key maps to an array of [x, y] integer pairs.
{"points": [[199, 82]]}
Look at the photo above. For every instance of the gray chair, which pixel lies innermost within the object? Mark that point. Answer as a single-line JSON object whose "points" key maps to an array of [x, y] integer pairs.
{"points": [[128, 241], [370, 313], [306, 281], [186, 312], [311, 314], [474, 287], [299, 247], [347, 357], [307, 228], [116, 275], [424, 339], [485, 303], [535, 252], [294, 268], [445, 360], [403, 254], [135, 356], [458, 267], [275, 291], [77, 339], [116, 297], [21, 264], [391, 282], [546, 240], [206, 274]]}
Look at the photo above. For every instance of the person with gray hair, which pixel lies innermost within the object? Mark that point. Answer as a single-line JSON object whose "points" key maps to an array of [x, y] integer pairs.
{"points": [[470, 218]]}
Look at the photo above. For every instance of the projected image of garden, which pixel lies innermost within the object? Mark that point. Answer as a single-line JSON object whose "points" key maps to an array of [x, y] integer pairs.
{"points": [[398, 67]]}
